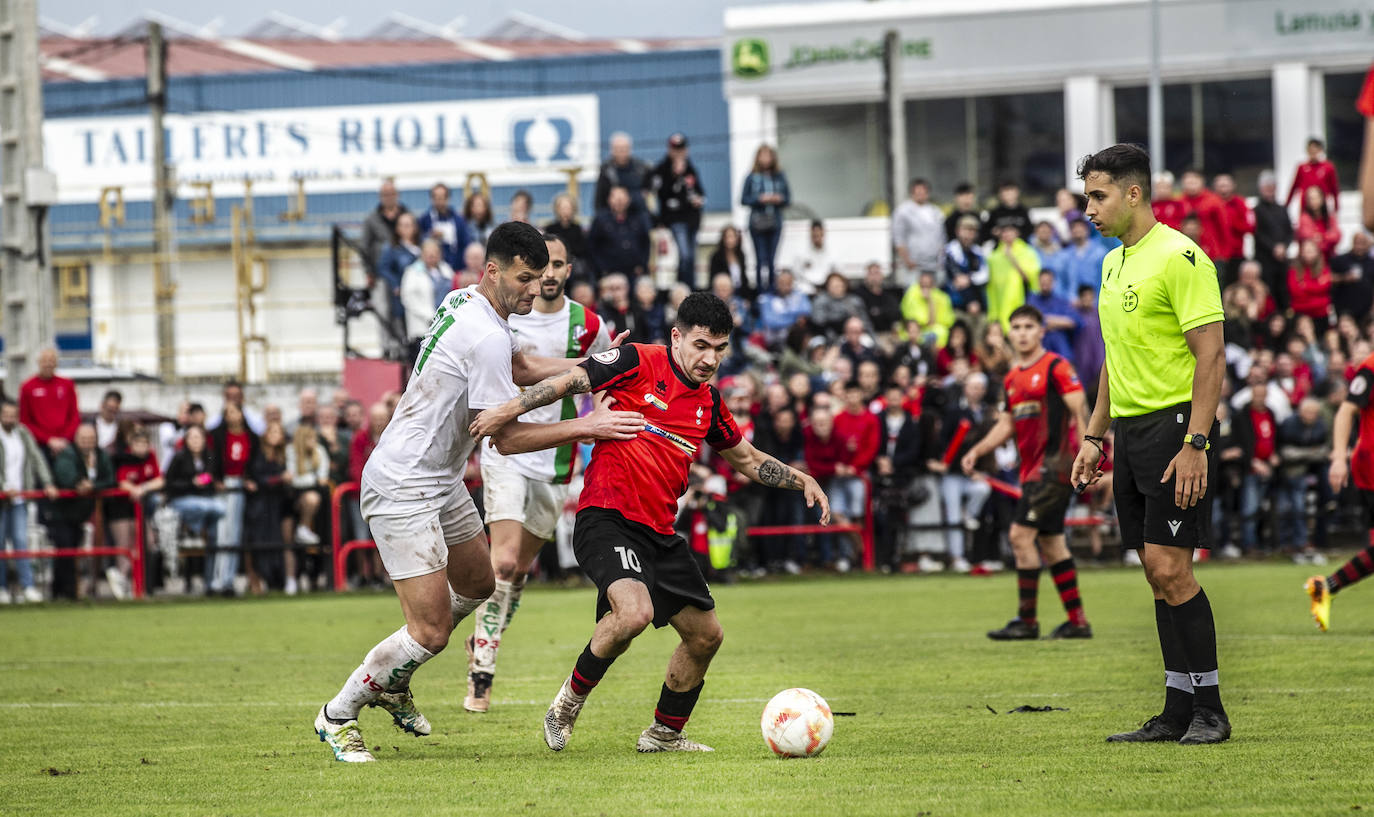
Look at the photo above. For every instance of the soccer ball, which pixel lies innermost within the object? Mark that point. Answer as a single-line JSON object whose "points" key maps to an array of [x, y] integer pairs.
{"points": [[797, 723]]}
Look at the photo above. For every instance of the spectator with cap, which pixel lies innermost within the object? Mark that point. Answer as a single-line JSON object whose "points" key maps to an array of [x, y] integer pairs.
{"points": [[23, 467], [478, 214], [882, 302], [1273, 235], [443, 223], [1008, 210], [1318, 172], [379, 228], [618, 240], [566, 227], [623, 169], [677, 186], [767, 195], [107, 421], [918, 232], [47, 405], [965, 206], [814, 264], [966, 269]]}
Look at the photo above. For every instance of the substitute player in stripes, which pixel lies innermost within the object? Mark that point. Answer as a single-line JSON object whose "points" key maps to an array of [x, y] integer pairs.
{"points": [[1161, 315], [523, 494], [423, 519]]}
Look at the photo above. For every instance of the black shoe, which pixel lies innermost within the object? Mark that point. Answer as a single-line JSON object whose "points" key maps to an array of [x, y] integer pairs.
{"points": [[1070, 630], [1155, 729], [1208, 726], [1016, 630]]}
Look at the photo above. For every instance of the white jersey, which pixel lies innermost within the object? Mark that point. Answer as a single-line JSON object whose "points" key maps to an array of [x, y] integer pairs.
{"points": [[464, 366], [573, 331]]}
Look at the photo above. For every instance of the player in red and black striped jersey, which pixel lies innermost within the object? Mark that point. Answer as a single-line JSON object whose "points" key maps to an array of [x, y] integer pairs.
{"points": [[624, 538], [1045, 409], [1357, 468]]}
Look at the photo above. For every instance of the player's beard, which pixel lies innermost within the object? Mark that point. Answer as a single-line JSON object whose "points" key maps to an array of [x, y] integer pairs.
{"points": [[557, 292]]}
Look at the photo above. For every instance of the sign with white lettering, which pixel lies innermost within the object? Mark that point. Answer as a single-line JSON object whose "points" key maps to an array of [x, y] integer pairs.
{"points": [[335, 149]]}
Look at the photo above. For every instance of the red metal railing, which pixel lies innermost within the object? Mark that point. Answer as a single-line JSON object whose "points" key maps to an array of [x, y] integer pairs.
{"points": [[342, 549], [135, 553]]}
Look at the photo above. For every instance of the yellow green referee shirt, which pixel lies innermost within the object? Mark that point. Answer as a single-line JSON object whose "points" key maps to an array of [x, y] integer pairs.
{"points": [[1151, 294]]}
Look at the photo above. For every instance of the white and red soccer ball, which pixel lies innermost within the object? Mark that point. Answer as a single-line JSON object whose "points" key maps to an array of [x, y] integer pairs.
{"points": [[797, 723]]}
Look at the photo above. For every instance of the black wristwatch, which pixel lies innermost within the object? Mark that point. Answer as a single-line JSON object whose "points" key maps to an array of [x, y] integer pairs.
{"points": [[1198, 441]]}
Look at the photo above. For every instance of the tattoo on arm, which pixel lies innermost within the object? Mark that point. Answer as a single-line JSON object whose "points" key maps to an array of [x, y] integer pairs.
{"points": [[776, 475], [581, 382], [550, 389]]}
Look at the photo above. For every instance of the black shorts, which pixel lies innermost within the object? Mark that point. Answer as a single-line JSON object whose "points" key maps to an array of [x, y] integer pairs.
{"points": [[1042, 506], [610, 547], [1366, 507], [1145, 507]]}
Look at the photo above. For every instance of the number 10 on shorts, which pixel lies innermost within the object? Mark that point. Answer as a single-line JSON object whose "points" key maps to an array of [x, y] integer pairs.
{"points": [[629, 560]]}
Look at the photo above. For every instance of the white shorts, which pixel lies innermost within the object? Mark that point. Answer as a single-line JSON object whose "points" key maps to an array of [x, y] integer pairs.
{"points": [[413, 537], [509, 494]]}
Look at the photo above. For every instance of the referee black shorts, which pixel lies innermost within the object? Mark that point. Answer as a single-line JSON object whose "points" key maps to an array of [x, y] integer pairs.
{"points": [[610, 547], [1145, 507]]}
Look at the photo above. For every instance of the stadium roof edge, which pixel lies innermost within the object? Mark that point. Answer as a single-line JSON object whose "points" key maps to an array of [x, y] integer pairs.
{"points": [[807, 14]]}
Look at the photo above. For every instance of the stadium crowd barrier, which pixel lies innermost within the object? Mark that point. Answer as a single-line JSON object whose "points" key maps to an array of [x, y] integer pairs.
{"points": [[342, 549], [135, 553]]}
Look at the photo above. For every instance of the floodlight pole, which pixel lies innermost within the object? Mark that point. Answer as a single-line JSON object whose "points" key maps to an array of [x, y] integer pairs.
{"points": [[894, 130], [164, 194], [1156, 94]]}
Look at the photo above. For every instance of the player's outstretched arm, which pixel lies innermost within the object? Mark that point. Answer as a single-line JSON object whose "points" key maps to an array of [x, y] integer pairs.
{"points": [[765, 469], [546, 391], [998, 434], [1085, 465], [601, 424], [528, 370]]}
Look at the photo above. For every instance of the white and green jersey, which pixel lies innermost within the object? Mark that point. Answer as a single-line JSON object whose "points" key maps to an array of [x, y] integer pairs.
{"points": [[464, 366], [573, 331]]}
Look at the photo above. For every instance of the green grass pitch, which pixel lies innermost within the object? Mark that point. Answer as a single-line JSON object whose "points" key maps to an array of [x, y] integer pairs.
{"points": [[205, 708]]}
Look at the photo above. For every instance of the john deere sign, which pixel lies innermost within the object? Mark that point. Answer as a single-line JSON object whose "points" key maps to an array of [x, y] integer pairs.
{"points": [[749, 58]]}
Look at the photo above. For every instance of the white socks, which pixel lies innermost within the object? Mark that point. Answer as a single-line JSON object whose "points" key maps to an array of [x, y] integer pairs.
{"points": [[491, 622], [387, 666], [461, 606]]}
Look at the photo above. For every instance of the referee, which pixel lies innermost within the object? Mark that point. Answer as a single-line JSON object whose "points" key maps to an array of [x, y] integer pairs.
{"points": [[1160, 309]]}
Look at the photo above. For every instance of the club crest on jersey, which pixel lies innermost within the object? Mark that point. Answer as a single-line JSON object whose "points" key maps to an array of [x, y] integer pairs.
{"points": [[578, 331], [655, 401], [607, 357], [1130, 301], [700, 412]]}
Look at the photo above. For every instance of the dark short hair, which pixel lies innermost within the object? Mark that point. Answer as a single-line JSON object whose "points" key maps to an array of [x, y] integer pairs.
{"points": [[962, 187], [112, 394], [1008, 183], [1086, 288], [921, 181], [5, 401], [232, 383], [853, 384], [522, 194], [1193, 216], [815, 222], [1318, 142], [707, 311], [549, 238], [516, 239], [1125, 163], [1192, 171], [1026, 311], [194, 407]]}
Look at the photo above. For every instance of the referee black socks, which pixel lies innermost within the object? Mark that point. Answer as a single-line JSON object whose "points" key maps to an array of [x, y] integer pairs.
{"points": [[1178, 685], [1197, 633], [589, 671]]}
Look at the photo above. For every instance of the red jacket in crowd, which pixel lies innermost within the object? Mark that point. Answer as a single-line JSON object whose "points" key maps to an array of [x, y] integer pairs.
{"points": [[47, 408], [822, 455], [1311, 293], [1320, 173], [859, 436], [1215, 229], [1239, 221], [358, 452], [1327, 234], [1169, 212]]}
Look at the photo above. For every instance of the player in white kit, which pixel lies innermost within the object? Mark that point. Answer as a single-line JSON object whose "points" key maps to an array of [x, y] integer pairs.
{"points": [[523, 494], [426, 527]]}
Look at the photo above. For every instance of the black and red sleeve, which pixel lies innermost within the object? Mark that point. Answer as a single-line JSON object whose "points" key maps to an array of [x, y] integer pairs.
{"points": [[1359, 387], [612, 367], [724, 433]]}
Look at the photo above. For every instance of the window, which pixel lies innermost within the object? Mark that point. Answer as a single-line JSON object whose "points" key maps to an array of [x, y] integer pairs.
{"points": [[1344, 126], [833, 157], [1217, 127]]}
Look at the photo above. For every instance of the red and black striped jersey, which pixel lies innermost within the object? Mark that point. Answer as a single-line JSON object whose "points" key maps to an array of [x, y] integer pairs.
{"points": [[1362, 460], [1034, 395]]}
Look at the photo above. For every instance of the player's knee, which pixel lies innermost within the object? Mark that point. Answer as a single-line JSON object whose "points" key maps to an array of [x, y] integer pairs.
{"points": [[634, 617], [432, 636], [706, 642], [506, 568], [1168, 577]]}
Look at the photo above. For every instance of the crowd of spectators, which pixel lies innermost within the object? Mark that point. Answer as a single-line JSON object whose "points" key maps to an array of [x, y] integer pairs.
{"points": [[877, 386]]}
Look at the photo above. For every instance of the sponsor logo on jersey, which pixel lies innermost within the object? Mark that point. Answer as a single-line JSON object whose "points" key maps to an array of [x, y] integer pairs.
{"points": [[661, 387], [676, 439], [655, 401]]}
